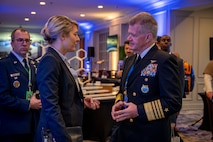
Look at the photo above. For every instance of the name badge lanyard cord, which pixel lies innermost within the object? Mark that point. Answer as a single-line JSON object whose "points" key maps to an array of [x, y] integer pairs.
{"points": [[29, 75], [129, 73], [125, 87], [29, 93]]}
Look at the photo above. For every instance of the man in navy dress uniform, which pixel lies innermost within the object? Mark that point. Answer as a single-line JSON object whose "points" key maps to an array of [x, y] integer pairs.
{"points": [[19, 107], [150, 89]]}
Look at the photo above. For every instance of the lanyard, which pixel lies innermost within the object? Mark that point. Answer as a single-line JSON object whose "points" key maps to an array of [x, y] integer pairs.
{"points": [[29, 75], [129, 73], [127, 78], [125, 87]]}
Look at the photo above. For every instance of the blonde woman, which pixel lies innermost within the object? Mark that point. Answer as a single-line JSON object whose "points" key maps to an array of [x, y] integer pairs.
{"points": [[57, 82]]}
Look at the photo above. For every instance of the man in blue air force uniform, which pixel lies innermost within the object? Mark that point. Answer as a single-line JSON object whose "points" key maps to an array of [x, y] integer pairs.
{"points": [[19, 107]]}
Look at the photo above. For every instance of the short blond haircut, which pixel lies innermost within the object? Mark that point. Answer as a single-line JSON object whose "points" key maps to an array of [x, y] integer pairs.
{"points": [[55, 26]]}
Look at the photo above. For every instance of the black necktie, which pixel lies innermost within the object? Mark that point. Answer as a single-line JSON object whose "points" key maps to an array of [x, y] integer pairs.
{"points": [[25, 64], [138, 60]]}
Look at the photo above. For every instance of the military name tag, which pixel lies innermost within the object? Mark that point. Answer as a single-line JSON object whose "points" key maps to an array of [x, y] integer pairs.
{"points": [[15, 74], [29, 95]]}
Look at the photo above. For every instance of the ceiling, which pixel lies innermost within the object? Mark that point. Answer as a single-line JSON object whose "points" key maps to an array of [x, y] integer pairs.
{"points": [[13, 12]]}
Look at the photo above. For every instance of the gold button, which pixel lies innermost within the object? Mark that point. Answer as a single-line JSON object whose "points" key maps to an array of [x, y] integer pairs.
{"points": [[146, 79], [134, 94], [131, 120]]}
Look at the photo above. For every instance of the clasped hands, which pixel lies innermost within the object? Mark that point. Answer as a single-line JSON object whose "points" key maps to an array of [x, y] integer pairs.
{"points": [[123, 110]]}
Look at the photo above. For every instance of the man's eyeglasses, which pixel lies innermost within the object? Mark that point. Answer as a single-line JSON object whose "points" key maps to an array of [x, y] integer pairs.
{"points": [[21, 40]]}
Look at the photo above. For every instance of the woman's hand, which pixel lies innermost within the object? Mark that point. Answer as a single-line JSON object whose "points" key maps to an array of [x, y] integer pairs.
{"points": [[91, 103]]}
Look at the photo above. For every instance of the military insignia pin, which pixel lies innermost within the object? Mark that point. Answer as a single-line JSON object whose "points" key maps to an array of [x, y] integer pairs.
{"points": [[16, 84], [145, 88]]}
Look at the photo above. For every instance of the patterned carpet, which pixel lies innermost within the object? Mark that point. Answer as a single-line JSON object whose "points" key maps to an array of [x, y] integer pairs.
{"points": [[189, 132], [186, 130]]}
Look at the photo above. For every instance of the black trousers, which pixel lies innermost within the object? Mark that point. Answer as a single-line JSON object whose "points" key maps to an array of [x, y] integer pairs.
{"points": [[17, 138]]}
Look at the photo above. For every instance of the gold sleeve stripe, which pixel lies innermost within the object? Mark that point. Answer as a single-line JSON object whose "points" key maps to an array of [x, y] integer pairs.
{"points": [[119, 97], [154, 110], [160, 109], [149, 112]]}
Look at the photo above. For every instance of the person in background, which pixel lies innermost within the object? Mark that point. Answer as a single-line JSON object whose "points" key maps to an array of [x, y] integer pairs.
{"points": [[165, 43], [60, 92], [150, 90], [158, 42], [19, 105], [208, 75], [128, 53]]}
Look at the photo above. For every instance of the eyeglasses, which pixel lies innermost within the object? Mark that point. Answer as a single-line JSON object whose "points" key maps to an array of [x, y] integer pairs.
{"points": [[21, 40]]}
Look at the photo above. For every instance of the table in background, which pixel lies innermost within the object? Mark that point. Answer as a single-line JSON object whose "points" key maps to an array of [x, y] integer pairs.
{"points": [[97, 124]]}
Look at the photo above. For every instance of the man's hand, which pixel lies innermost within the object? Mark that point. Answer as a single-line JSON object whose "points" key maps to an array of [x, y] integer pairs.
{"points": [[129, 111], [35, 103]]}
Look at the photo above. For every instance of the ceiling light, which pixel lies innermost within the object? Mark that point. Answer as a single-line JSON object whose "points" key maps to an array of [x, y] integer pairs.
{"points": [[159, 4], [33, 12], [100, 6], [26, 19], [42, 3], [86, 25], [82, 15]]}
